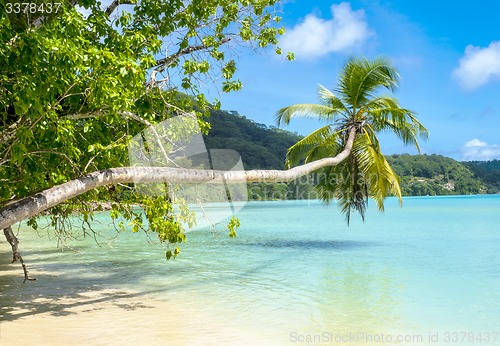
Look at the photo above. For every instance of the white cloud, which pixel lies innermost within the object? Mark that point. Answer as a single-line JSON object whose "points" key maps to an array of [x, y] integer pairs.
{"points": [[475, 143], [477, 150], [478, 66], [315, 37]]}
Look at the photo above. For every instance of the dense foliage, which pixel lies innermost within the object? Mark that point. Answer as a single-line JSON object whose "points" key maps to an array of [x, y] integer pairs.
{"points": [[76, 85], [431, 175], [488, 172]]}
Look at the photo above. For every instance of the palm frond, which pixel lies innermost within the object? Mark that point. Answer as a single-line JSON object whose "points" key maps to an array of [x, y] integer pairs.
{"points": [[299, 150], [408, 131], [380, 178], [385, 113], [421, 130], [328, 98], [331, 147], [305, 110], [387, 107], [361, 78], [345, 184]]}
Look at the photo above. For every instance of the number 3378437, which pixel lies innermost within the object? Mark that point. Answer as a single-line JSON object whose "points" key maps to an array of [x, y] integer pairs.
{"points": [[31, 7]]}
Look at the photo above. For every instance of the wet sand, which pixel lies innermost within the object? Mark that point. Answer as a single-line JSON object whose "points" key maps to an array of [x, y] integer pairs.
{"points": [[42, 313], [100, 318], [115, 318]]}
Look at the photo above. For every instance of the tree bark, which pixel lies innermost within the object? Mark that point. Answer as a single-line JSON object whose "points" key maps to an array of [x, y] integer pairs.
{"points": [[112, 7], [162, 64], [32, 205], [16, 256]]}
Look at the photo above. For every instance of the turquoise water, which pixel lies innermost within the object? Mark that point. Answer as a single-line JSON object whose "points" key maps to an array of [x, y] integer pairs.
{"points": [[296, 272]]}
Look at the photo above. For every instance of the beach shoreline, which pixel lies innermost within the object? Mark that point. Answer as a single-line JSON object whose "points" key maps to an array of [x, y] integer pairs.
{"points": [[116, 317], [44, 313]]}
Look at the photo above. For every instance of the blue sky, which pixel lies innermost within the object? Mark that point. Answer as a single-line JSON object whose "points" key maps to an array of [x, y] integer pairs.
{"points": [[447, 52]]}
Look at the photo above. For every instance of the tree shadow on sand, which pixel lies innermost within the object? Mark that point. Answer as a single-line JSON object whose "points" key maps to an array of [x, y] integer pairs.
{"points": [[62, 287], [71, 280], [58, 291]]}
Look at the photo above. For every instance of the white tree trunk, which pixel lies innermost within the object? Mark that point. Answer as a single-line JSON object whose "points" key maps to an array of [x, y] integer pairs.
{"points": [[32, 205]]}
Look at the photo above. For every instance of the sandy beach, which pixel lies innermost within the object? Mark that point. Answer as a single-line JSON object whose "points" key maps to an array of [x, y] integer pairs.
{"points": [[91, 317], [98, 318], [102, 316], [113, 318]]}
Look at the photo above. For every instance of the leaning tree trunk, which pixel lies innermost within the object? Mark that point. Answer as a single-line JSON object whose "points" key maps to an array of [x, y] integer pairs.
{"points": [[35, 204], [32, 205]]}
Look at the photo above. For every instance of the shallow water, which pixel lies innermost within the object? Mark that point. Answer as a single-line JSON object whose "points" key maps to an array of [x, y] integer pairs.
{"points": [[296, 274]]}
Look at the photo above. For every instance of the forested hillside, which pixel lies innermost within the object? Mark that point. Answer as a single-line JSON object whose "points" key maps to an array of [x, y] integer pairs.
{"points": [[260, 146], [488, 172], [433, 175], [264, 147]]}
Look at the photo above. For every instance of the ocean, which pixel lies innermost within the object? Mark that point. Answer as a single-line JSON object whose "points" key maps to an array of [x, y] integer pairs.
{"points": [[426, 273]]}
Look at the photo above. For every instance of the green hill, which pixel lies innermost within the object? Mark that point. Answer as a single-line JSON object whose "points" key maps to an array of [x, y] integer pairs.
{"points": [[264, 147], [260, 146], [433, 175], [488, 172]]}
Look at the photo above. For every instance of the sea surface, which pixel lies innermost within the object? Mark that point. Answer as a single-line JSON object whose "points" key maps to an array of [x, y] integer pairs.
{"points": [[427, 273]]}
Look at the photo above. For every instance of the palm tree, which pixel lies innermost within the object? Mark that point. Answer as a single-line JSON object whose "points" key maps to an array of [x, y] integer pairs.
{"points": [[345, 154], [355, 104]]}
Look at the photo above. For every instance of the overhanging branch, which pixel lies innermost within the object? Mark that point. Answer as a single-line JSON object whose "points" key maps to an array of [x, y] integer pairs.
{"points": [[162, 64], [33, 205], [112, 7]]}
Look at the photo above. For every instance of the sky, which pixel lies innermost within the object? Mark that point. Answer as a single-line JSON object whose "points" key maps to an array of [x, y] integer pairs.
{"points": [[447, 53]]}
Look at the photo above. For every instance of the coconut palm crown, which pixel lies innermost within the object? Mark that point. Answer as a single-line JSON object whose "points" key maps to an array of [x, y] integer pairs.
{"points": [[355, 103]]}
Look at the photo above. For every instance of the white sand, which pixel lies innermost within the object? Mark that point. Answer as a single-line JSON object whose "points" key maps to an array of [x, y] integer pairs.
{"points": [[106, 317], [123, 320]]}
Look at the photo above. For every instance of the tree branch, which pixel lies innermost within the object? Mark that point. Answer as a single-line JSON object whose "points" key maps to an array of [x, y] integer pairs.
{"points": [[162, 64], [155, 133], [16, 256], [35, 204], [130, 115], [10, 132], [111, 8]]}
